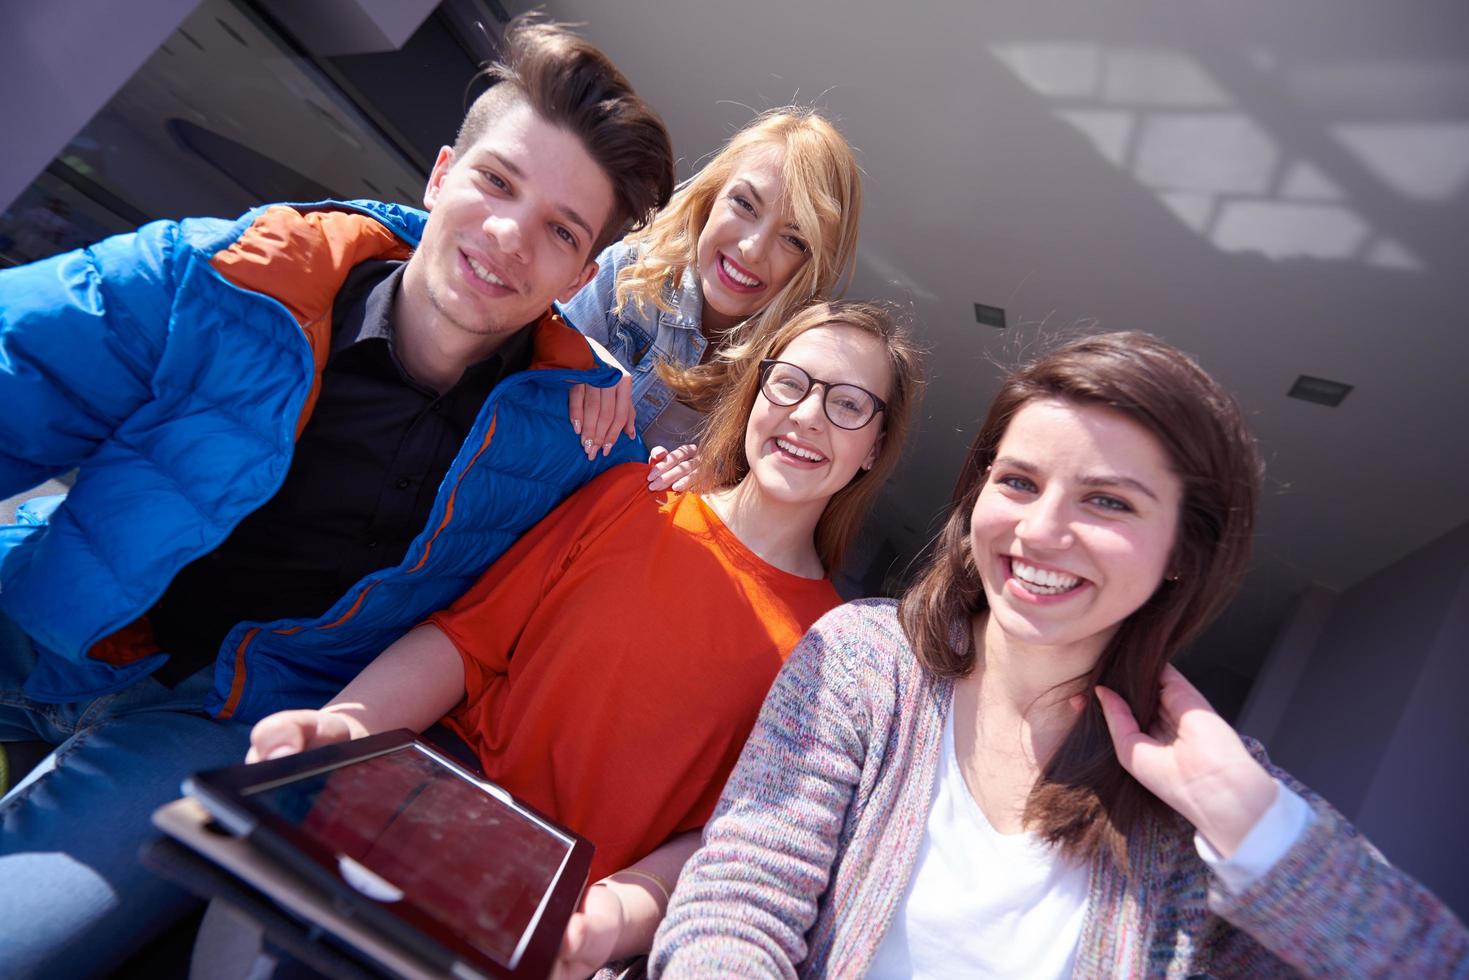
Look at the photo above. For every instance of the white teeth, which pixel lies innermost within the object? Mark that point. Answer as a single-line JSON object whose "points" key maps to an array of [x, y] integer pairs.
{"points": [[484, 273], [795, 450], [1043, 581], [736, 274]]}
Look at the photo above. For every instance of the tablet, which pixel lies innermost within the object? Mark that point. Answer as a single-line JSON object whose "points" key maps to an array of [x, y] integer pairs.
{"points": [[440, 861]]}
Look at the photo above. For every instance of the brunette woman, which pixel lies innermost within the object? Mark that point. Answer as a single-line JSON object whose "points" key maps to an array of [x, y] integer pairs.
{"points": [[1002, 775]]}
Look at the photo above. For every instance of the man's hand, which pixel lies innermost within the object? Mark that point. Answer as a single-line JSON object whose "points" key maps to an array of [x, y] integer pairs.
{"points": [[288, 732], [672, 469], [590, 936], [598, 413]]}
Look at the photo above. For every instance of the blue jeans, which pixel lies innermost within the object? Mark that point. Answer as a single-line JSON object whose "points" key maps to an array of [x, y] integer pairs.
{"points": [[74, 900]]}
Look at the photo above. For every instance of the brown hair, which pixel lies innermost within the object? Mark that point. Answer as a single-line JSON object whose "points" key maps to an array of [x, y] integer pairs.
{"points": [[722, 460], [1084, 800], [823, 188], [570, 83]]}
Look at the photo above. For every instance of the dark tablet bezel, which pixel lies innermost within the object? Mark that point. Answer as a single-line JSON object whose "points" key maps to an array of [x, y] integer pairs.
{"points": [[226, 794]]}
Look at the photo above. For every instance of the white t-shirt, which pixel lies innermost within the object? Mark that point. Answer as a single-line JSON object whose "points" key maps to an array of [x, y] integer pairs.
{"points": [[986, 904], [982, 903]]}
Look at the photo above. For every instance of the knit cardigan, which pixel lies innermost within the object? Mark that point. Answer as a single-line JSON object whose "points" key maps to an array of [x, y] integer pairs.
{"points": [[812, 846]]}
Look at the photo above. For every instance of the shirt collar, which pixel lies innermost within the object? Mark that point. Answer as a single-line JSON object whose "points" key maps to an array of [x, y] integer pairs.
{"points": [[366, 303], [514, 354], [369, 295]]}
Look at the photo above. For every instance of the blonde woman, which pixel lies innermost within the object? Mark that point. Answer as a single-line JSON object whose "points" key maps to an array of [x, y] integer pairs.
{"points": [[768, 225]]}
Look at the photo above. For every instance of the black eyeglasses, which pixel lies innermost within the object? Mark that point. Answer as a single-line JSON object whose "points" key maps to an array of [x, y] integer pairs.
{"points": [[848, 406]]}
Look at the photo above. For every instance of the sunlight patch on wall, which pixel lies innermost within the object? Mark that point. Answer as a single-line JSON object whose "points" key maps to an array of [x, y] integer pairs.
{"points": [[1194, 210], [1304, 182], [1110, 130], [1057, 71], [1389, 253], [1132, 76], [1216, 153], [1421, 161], [1161, 117], [1286, 230]]}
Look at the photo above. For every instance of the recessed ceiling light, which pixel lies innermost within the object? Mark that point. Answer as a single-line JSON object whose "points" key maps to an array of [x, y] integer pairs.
{"points": [[991, 316], [1319, 390]]}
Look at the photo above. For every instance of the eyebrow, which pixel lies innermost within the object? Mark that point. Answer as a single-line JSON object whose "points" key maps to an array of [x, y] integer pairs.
{"points": [[568, 213], [742, 182], [1101, 480], [750, 188]]}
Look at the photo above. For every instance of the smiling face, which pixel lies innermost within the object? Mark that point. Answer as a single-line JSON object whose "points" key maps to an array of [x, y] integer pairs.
{"points": [[796, 454], [749, 247], [1073, 528], [511, 224]]}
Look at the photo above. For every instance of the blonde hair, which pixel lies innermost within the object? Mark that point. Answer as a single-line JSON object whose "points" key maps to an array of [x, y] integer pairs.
{"points": [[823, 189], [722, 459]]}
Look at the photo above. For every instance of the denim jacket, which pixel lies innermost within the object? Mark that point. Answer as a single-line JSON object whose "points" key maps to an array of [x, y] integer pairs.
{"points": [[640, 338]]}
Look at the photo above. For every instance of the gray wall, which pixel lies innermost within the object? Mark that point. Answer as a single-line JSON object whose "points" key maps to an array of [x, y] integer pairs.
{"points": [[1363, 699], [60, 61]]}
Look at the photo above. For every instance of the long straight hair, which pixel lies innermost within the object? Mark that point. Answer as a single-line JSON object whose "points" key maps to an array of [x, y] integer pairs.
{"points": [[823, 188], [722, 459], [1083, 799]]}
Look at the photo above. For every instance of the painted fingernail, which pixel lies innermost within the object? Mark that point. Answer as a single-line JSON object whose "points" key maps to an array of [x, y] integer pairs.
{"points": [[576, 426], [587, 444]]}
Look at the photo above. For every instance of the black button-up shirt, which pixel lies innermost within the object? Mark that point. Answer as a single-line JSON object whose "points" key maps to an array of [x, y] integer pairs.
{"points": [[364, 476]]}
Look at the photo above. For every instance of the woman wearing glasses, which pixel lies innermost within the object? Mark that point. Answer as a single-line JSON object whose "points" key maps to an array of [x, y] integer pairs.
{"points": [[619, 711]]}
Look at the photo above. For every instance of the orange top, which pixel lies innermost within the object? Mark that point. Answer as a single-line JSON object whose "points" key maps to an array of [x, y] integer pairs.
{"points": [[615, 660]]}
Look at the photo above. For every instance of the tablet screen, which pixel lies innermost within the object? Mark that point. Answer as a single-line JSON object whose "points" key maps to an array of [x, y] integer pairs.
{"points": [[428, 837]]}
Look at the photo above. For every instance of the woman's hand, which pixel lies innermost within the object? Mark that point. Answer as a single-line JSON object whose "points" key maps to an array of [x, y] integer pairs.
{"points": [[672, 470], [288, 732], [1193, 761], [597, 414], [591, 935]]}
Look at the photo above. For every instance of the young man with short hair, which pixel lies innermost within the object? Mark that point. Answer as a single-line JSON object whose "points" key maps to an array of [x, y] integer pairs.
{"points": [[297, 434]]}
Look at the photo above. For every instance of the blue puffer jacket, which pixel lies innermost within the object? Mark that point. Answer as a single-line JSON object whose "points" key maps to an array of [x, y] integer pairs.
{"points": [[175, 366]]}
